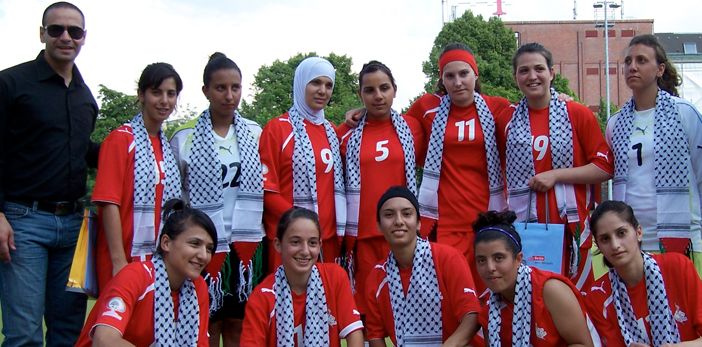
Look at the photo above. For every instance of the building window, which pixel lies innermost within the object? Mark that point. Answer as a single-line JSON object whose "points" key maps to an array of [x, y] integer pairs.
{"points": [[592, 71], [590, 33], [690, 48], [516, 37], [627, 33]]}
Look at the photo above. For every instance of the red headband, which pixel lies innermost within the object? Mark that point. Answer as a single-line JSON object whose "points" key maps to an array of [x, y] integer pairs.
{"points": [[457, 55]]}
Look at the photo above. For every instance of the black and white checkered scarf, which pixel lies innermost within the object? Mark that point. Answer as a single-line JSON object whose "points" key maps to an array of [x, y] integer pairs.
{"points": [[428, 192], [205, 183], [520, 160], [521, 317], [316, 330], [417, 316], [304, 174], [145, 180], [167, 330], [663, 327], [353, 167], [672, 156]]}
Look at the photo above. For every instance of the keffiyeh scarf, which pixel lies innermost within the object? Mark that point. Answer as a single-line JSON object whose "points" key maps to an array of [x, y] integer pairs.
{"points": [[672, 158], [316, 330], [417, 316], [428, 192], [304, 174], [663, 327], [353, 167], [521, 318], [145, 180], [167, 330], [520, 160]]}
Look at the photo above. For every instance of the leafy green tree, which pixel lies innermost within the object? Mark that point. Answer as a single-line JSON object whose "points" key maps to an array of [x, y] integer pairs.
{"points": [[116, 108], [273, 86]]}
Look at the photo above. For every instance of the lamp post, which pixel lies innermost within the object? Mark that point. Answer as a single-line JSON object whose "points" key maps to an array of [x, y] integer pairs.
{"points": [[605, 6]]}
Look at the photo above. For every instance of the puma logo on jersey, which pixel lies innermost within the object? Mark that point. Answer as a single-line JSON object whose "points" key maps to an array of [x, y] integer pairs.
{"points": [[228, 149], [600, 288], [603, 155], [643, 131], [356, 312], [468, 290]]}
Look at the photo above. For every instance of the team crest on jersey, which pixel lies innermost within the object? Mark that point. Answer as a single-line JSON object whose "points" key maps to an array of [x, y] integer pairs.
{"points": [[540, 332], [330, 318], [115, 306], [679, 315]]}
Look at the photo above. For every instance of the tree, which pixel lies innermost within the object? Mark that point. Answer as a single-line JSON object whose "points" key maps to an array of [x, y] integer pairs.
{"points": [[493, 45], [602, 113], [116, 108], [273, 86]]}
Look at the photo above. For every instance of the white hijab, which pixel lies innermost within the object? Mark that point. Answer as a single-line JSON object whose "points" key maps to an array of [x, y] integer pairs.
{"points": [[308, 70]]}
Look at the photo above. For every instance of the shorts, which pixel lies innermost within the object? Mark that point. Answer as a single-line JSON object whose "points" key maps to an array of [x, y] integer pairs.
{"points": [[232, 306]]}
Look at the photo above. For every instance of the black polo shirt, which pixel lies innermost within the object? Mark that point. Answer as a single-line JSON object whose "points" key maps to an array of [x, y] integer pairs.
{"points": [[44, 133]]}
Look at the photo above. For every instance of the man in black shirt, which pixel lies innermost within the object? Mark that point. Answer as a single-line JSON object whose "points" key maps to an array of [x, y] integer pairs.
{"points": [[47, 114]]}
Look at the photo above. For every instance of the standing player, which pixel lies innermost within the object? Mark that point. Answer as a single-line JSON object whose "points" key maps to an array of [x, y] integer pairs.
{"points": [[384, 142], [424, 292], [301, 160], [556, 150], [462, 173], [218, 158], [137, 172], [303, 303], [656, 138]]}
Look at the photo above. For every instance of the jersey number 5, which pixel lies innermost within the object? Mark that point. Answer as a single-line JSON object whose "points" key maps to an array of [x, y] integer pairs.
{"points": [[382, 148]]}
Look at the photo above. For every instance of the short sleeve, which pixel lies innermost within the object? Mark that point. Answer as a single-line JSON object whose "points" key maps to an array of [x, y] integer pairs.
{"points": [[118, 301], [112, 166], [256, 319]]}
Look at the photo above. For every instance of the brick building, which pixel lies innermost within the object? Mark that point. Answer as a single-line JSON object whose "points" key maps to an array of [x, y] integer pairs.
{"points": [[578, 53]]}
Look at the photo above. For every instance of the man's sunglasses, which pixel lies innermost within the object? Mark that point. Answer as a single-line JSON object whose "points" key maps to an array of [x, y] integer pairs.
{"points": [[56, 30]]}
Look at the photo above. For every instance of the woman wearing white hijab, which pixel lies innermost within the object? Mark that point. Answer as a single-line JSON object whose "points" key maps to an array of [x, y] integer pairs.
{"points": [[301, 160]]}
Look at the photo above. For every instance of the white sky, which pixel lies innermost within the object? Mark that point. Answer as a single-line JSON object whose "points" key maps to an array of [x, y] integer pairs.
{"points": [[126, 35]]}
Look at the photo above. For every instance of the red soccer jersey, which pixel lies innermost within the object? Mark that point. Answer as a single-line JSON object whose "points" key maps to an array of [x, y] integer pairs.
{"points": [[259, 328], [463, 183], [684, 291], [543, 331], [456, 287], [589, 146], [114, 184], [276, 149], [127, 305], [382, 164]]}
